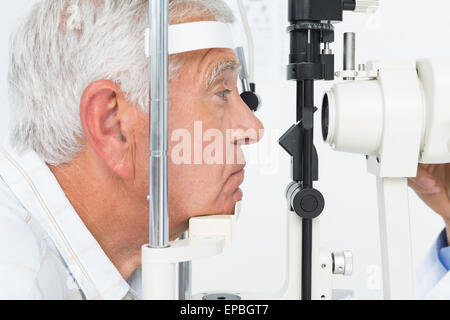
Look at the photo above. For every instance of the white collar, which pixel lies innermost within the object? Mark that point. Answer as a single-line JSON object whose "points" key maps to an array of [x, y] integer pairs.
{"points": [[37, 189]]}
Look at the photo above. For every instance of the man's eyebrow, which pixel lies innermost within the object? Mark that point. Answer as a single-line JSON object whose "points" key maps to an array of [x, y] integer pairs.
{"points": [[219, 69]]}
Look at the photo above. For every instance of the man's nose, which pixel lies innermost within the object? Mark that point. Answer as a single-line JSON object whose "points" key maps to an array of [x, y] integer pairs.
{"points": [[247, 128]]}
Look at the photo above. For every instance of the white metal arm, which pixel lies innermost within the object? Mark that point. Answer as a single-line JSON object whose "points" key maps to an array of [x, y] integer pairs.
{"points": [[395, 236]]}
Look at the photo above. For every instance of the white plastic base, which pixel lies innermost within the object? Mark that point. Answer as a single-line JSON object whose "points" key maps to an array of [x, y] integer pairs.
{"points": [[291, 290]]}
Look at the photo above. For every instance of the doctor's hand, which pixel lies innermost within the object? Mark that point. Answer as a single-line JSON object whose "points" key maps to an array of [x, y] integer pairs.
{"points": [[432, 184]]}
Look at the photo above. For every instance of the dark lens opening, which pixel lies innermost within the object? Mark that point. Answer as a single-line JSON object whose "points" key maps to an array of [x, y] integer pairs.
{"points": [[325, 117]]}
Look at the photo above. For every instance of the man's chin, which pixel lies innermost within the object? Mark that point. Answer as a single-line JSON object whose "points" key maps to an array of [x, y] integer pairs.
{"points": [[230, 208], [238, 195]]}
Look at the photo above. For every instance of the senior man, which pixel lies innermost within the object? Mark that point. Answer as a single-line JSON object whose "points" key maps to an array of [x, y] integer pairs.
{"points": [[74, 174]]}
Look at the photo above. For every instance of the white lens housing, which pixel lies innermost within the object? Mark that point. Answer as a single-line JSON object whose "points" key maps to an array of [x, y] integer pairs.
{"points": [[434, 76], [399, 119], [355, 117]]}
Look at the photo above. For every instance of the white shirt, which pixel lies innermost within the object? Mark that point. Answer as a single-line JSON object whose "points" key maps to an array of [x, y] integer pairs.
{"points": [[46, 251], [432, 278]]}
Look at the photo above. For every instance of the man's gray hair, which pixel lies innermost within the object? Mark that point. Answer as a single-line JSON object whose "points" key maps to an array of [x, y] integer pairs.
{"points": [[62, 46]]}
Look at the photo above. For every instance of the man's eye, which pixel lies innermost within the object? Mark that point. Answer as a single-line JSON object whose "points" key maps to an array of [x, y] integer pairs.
{"points": [[223, 94]]}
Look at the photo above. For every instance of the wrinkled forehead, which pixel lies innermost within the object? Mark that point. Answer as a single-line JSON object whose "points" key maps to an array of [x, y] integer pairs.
{"points": [[204, 68]]}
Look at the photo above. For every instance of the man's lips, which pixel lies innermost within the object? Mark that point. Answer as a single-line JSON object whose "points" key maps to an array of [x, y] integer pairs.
{"points": [[238, 176]]}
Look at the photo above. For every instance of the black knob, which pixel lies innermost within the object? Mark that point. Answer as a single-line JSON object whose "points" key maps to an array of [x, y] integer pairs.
{"points": [[307, 203]]}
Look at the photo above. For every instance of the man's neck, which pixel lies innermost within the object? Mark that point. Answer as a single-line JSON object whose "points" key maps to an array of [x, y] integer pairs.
{"points": [[101, 205]]}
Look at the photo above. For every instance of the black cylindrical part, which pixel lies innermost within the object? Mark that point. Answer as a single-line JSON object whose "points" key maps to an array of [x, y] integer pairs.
{"points": [[349, 5], [308, 133], [300, 48], [299, 100], [315, 10], [308, 149], [307, 259], [304, 55]]}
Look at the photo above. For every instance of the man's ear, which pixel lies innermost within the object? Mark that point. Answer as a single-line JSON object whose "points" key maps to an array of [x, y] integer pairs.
{"points": [[102, 114]]}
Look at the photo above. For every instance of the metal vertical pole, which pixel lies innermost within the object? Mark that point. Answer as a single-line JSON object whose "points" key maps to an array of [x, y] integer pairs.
{"points": [[349, 52], [185, 276], [158, 179]]}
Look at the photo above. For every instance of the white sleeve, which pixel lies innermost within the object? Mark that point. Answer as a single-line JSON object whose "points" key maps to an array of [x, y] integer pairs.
{"points": [[432, 278]]}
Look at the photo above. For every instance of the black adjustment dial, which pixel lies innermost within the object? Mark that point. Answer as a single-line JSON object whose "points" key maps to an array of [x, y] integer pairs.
{"points": [[307, 203]]}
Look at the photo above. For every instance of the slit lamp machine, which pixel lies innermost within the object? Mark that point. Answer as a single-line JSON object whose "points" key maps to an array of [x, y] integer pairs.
{"points": [[393, 112]]}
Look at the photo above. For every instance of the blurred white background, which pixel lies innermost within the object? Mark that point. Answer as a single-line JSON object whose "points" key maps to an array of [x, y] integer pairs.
{"points": [[403, 29]]}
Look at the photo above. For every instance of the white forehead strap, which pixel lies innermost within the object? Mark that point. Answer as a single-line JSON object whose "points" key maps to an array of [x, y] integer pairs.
{"points": [[194, 36], [197, 36]]}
